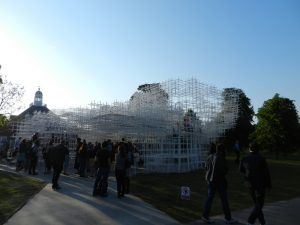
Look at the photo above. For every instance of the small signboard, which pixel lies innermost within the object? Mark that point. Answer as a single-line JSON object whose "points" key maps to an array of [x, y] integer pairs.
{"points": [[185, 193]]}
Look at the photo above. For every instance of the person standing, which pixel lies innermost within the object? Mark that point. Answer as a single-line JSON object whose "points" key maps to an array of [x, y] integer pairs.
{"points": [[216, 170], [82, 155], [76, 163], [46, 157], [33, 156], [129, 162], [17, 146], [103, 167], [120, 170], [57, 157], [21, 157], [28, 145], [237, 150], [67, 159], [256, 173]]}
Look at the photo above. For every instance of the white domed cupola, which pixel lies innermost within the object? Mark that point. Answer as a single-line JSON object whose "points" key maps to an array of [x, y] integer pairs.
{"points": [[38, 98]]}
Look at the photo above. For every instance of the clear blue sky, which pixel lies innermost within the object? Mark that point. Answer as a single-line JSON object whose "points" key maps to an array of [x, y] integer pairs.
{"points": [[83, 50]]}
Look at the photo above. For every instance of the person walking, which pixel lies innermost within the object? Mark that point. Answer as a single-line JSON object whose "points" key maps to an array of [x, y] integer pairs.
{"points": [[216, 170], [57, 157], [256, 173]]}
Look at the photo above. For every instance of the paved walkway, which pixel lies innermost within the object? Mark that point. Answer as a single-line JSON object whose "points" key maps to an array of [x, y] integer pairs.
{"points": [[74, 205], [279, 213]]}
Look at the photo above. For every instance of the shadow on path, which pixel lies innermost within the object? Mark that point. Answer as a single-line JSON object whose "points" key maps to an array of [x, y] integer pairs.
{"points": [[74, 204]]}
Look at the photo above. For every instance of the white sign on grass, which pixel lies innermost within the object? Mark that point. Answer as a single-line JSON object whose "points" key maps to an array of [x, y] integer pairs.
{"points": [[185, 193]]}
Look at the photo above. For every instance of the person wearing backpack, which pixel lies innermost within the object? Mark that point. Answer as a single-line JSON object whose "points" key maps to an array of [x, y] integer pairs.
{"points": [[257, 175]]}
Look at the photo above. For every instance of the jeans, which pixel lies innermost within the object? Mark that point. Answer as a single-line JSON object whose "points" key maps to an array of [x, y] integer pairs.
{"points": [[32, 165], [56, 172], [120, 176], [66, 163], [82, 165], [222, 190], [102, 175], [258, 196]]}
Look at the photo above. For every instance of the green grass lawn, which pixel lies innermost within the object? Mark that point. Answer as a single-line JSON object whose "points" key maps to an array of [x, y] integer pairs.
{"points": [[163, 190], [15, 190]]}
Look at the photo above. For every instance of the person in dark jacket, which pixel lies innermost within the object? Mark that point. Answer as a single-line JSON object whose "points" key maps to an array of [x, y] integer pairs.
{"points": [[33, 154], [76, 163], [120, 170], [103, 167], [256, 173], [216, 170], [130, 161], [46, 157], [67, 159], [57, 157], [21, 155], [82, 155]]}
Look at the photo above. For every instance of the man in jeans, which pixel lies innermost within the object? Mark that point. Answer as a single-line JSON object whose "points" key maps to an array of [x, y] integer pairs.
{"points": [[256, 172], [216, 170]]}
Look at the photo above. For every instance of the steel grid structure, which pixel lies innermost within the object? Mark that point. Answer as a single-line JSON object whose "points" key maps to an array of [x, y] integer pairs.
{"points": [[171, 123]]}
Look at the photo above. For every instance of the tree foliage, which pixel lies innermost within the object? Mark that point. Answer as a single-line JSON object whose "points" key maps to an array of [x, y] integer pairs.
{"points": [[3, 120], [278, 126], [191, 121], [150, 94], [243, 127], [10, 95]]}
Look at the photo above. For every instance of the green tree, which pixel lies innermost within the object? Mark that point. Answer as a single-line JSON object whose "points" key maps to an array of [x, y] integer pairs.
{"points": [[243, 127], [277, 129], [3, 120], [191, 121], [149, 94]]}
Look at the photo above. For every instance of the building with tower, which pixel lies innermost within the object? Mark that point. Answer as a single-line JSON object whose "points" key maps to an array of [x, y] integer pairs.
{"points": [[35, 107], [38, 98]]}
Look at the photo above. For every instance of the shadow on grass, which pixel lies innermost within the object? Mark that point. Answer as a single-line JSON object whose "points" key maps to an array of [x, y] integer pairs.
{"points": [[162, 191], [15, 191]]}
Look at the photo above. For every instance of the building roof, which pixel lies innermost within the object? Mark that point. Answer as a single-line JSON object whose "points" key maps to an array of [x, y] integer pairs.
{"points": [[32, 109]]}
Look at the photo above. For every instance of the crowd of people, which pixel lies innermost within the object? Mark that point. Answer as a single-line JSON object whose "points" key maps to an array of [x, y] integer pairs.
{"points": [[91, 160], [100, 159]]}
